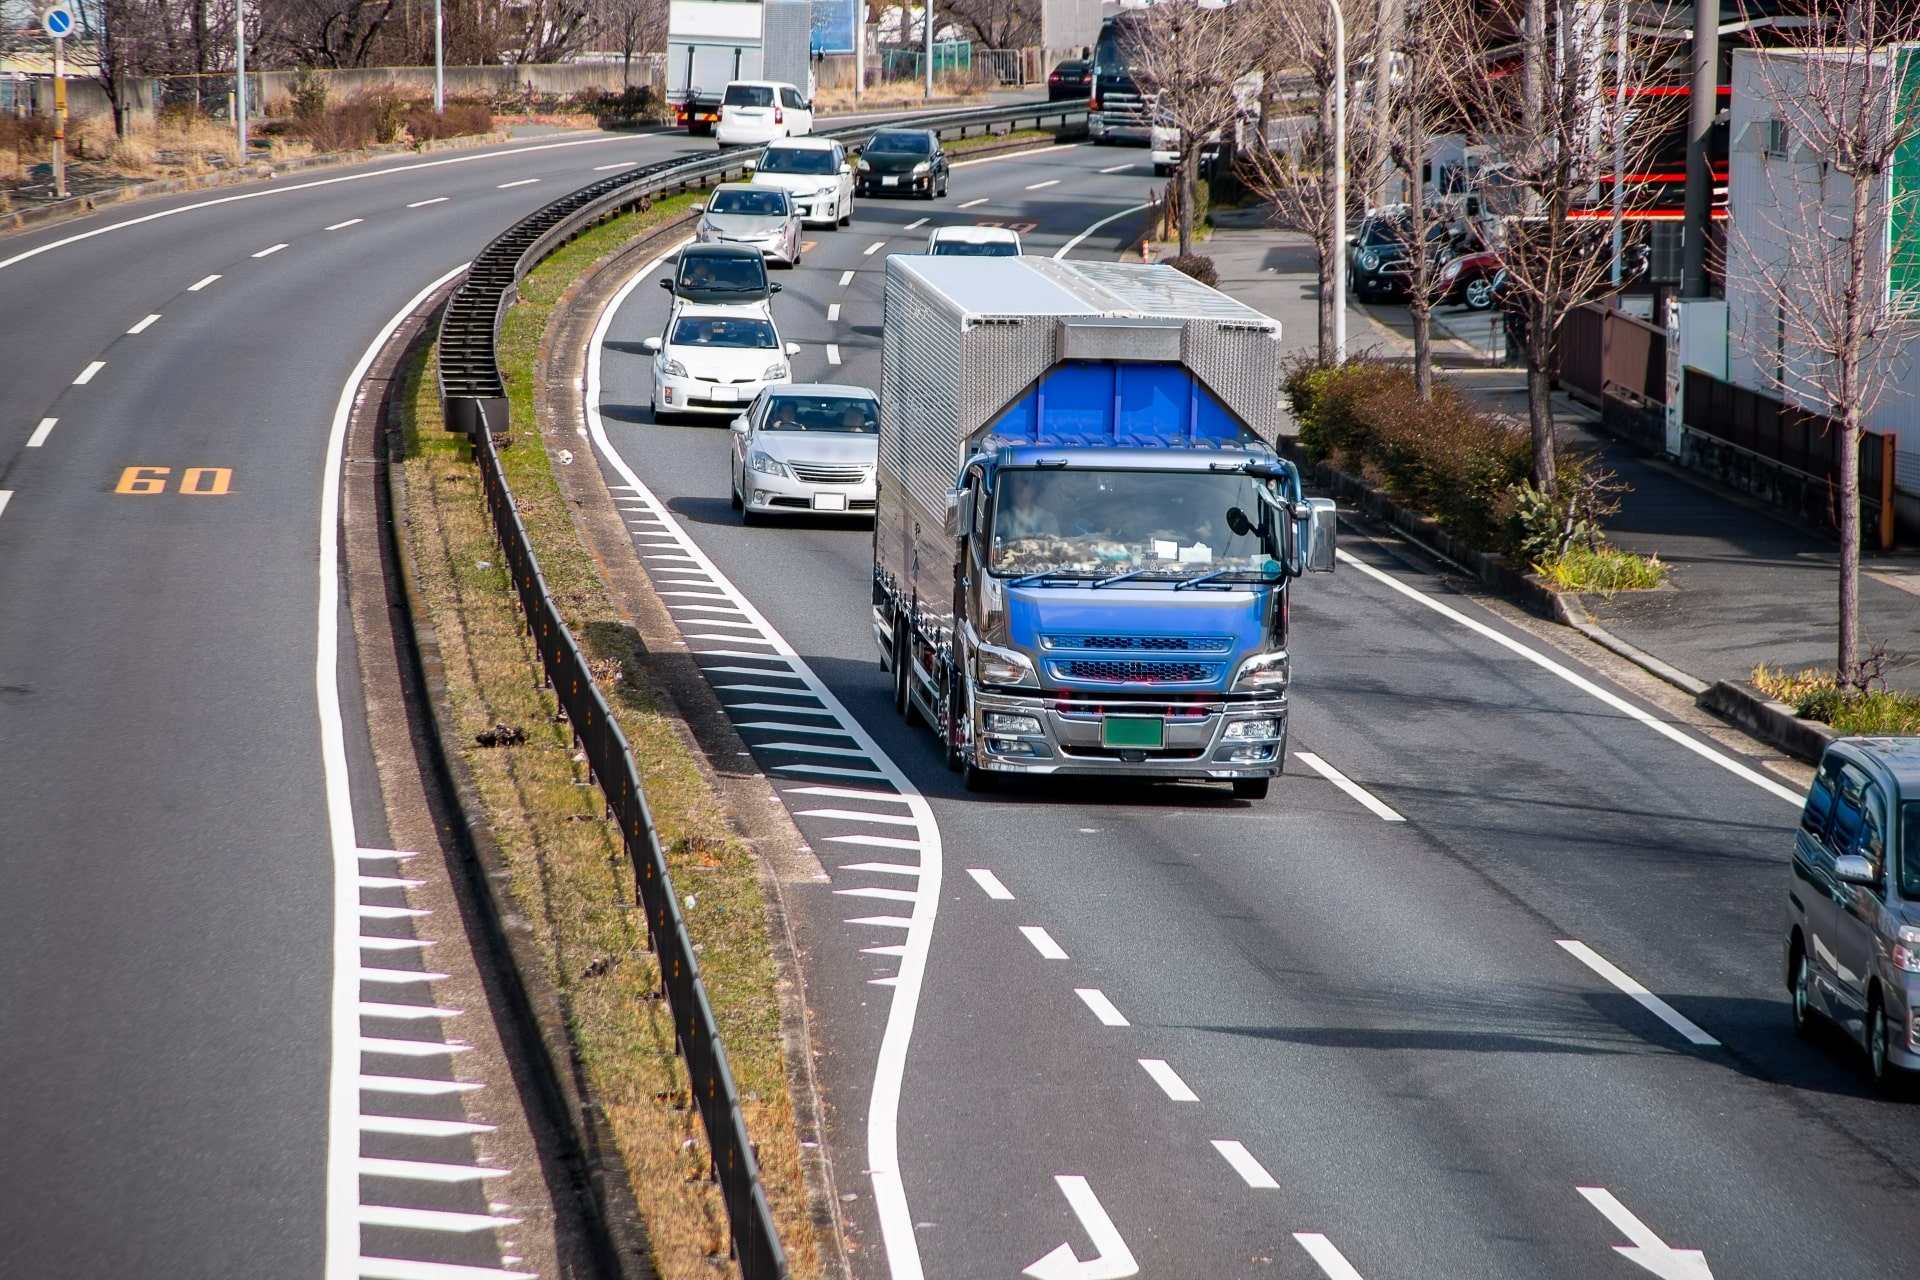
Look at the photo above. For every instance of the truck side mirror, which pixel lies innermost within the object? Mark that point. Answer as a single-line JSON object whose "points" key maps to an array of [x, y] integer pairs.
{"points": [[959, 512], [1322, 519]]}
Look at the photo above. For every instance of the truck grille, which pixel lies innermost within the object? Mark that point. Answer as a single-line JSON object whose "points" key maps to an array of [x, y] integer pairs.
{"points": [[827, 473], [1143, 644], [1115, 671]]}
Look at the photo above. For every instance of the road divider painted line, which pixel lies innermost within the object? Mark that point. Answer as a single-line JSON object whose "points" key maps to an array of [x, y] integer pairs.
{"points": [[1348, 785], [1322, 1251], [202, 283], [523, 182], [421, 204], [1646, 999], [915, 225], [990, 884], [833, 312], [1043, 942], [1118, 168], [620, 164], [145, 324], [873, 248], [1111, 1259], [846, 278], [974, 203], [1075, 243], [1647, 1250], [1251, 1171], [1103, 1008], [86, 374], [1041, 186], [41, 432], [342, 226], [833, 353], [270, 250], [1579, 682], [1169, 1080], [6, 496]]}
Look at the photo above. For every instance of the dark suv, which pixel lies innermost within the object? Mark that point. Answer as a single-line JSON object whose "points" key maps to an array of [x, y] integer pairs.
{"points": [[1853, 902], [719, 274]]}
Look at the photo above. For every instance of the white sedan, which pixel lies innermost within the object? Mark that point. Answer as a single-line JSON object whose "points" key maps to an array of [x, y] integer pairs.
{"points": [[815, 174], [809, 447], [713, 359]]}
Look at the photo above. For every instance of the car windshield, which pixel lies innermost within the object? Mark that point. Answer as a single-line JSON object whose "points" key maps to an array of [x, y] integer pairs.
{"points": [[752, 204], [853, 415], [975, 249], [748, 95], [808, 160], [904, 143], [1156, 524], [723, 331], [724, 274], [1910, 850]]}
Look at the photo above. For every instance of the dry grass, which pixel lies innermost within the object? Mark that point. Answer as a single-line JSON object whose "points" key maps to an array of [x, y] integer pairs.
{"points": [[1037, 137], [1814, 694], [896, 97], [570, 875], [179, 144]]}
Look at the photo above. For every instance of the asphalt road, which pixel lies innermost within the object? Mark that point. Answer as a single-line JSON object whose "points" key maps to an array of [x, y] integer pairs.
{"points": [[1386, 1029]]}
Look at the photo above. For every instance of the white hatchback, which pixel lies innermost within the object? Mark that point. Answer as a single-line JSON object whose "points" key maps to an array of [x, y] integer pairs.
{"points": [[714, 359], [815, 174], [755, 112], [809, 447], [974, 242]]}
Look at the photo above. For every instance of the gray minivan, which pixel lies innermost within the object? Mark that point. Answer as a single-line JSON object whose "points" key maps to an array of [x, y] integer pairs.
{"points": [[1853, 905]]}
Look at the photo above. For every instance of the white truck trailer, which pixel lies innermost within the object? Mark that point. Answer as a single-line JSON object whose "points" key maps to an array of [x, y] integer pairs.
{"points": [[713, 42]]}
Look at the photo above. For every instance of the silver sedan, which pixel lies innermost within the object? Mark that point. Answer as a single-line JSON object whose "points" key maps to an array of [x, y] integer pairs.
{"points": [[762, 217]]}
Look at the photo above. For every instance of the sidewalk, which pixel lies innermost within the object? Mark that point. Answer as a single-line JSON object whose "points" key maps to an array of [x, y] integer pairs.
{"points": [[1745, 587]]}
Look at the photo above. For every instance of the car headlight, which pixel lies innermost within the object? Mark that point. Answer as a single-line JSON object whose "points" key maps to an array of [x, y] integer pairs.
{"points": [[1004, 666], [923, 167], [775, 371], [1252, 730], [1906, 948], [864, 166], [1368, 260], [1006, 722], [1450, 272], [1263, 673], [704, 231], [767, 465], [672, 368]]}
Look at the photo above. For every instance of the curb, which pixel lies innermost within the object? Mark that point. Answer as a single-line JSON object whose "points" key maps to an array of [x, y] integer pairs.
{"points": [[1770, 721], [601, 1188]]}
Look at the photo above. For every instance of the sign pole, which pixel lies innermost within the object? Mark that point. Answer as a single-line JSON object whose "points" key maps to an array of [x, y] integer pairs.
{"points": [[59, 118], [439, 62]]}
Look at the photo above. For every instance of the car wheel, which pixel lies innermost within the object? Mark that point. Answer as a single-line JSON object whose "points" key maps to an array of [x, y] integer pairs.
{"points": [[1479, 295], [1879, 1050], [1162, 170], [1251, 788], [1801, 1000]]}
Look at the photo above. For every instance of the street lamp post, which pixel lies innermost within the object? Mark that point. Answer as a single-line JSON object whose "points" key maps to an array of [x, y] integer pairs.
{"points": [[240, 76], [439, 63], [1338, 213], [929, 20]]}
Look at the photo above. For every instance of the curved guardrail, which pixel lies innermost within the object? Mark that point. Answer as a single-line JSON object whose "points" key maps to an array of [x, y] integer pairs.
{"points": [[475, 400]]}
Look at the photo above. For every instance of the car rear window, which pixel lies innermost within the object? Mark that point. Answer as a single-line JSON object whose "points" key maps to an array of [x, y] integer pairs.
{"points": [[723, 331], [852, 415], [748, 95], [724, 274], [753, 204], [913, 143], [975, 249]]}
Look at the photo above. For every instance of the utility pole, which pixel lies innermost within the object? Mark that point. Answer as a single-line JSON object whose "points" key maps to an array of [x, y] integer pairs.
{"points": [[240, 75], [1703, 103], [439, 63], [1620, 143], [929, 22], [1337, 215]]}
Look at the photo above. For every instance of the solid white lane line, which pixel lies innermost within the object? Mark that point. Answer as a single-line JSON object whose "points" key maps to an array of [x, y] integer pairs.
{"points": [[858, 815], [86, 374], [391, 913], [201, 283], [344, 1165], [407, 1269], [971, 203], [388, 882], [1103, 1008], [342, 226], [406, 1012], [524, 182], [1118, 168], [145, 324], [6, 496], [1043, 942], [415, 1086], [841, 793], [408, 1127], [1005, 155], [833, 312], [399, 855], [1252, 1171], [1074, 243], [874, 842], [1169, 1080], [1348, 785], [1580, 682], [885, 922], [1331, 1260], [421, 204], [846, 278], [398, 977], [270, 250], [602, 168], [885, 868], [884, 895], [403, 1049], [826, 771], [1646, 999], [1040, 186], [825, 730], [990, 884], [873, 248], [915, 225], [419, 1171], [380, 1215], [895, 950], [41, 432], [833, 353]]}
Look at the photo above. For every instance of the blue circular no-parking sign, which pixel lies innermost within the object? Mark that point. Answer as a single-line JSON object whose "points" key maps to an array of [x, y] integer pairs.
{"points": [[58, 21]]}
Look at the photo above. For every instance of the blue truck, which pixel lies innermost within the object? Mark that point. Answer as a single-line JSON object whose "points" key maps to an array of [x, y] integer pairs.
{"points": [[1084, 539]]}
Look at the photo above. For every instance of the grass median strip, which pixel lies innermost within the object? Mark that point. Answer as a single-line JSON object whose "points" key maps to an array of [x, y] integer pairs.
{"points": [[570, 875]]}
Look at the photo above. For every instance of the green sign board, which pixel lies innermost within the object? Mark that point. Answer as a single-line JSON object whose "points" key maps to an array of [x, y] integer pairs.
{"points": [[1903, 214]]}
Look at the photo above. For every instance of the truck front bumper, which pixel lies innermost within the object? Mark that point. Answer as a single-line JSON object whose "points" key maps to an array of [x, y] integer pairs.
{"points": [[1211, 741]]}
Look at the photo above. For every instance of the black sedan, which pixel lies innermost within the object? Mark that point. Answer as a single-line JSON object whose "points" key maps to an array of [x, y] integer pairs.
{"points": [[1071, 79], [902, 162]]}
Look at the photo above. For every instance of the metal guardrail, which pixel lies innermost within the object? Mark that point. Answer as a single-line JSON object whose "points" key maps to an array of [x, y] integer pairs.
{"points": [[475, 400]]}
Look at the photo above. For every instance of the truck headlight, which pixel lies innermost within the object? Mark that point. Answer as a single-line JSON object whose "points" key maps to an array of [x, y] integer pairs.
{"points": [[672, 368], [1263, 673], [1252, 731], [766, 464], [775, 371], [1007, 722], [1003, 666]]}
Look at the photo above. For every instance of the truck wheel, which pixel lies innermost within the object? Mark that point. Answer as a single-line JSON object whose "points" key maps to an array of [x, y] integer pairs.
{"points": [[899, 666], [1251, 788]]}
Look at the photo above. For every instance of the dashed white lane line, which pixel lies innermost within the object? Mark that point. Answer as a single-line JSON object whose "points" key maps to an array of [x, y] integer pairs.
{"points": [[406, 1269], [379, 1215], [915, 225], [885, 868], [1103, 1008], [1169, 1080], [1250, 1170], [425, 1171], [202, 283], [271, 249], [833, 353], [145, 324], [342, 226], [1372, 802], [622, 164], [833, 312], [971, 203], [1040, 186], [421, 204], [1118, 168], [1646, 999], [523, 182], [873, 248], [846, 278], [990, 884], [6, 496], [415, 1086], [1331, 1260], [86, 374], [409, 1127], [852, 815], [1043, 942], [1579, 682], [41, 432]]}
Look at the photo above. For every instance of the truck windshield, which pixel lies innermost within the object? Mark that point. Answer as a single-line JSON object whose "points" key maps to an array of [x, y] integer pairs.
{"points": [[1156, 524]]}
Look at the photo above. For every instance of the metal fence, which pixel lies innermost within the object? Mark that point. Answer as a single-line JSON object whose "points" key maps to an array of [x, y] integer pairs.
{"points": [[1619, 362], [475, 401]]}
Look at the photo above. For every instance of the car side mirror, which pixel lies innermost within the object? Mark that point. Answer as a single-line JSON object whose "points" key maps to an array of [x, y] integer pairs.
{"points": [[739, 424], [775, 288], [793, 348], [651, 346], [1852, 868], [846, 167], [667, 283], [1322, 519]]}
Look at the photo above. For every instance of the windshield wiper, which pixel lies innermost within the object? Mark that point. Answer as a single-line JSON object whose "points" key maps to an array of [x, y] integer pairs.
{"points": [[1050, 575], [1123, 577], [1218, 574]]}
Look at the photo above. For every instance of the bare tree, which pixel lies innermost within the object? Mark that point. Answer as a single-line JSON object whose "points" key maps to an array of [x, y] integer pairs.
{"points": [[997, 24], [634, 26], [1193, 61], [1817, 307], [321, 33], [549, 30], [1420, 109], [1551, 130]]}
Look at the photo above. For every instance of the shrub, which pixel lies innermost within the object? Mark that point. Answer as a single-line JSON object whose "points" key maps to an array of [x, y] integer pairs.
{"points": [[308, 93], [1816, 695], [1197, 265], [1605, 570], [460, 119]]}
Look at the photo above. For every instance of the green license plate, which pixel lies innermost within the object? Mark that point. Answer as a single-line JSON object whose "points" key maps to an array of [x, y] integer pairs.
{"points": [[1133, 731]]}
